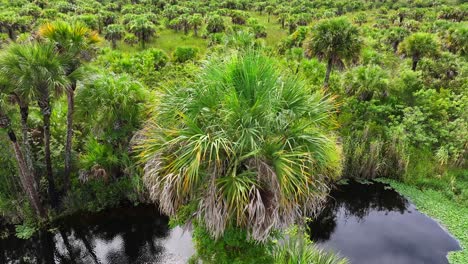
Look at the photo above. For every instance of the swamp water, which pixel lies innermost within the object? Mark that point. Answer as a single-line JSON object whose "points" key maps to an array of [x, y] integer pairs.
{"points": [[367, 223]]}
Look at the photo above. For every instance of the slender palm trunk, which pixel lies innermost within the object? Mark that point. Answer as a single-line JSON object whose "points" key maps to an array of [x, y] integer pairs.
{"points": [[415, 63], [395, 46], [327, 75], [44, 104], [114, 43], [26, 177], [11, 34], [24, 112], [68, 145]]}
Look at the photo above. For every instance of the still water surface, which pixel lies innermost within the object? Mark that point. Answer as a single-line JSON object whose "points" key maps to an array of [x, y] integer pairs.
{"points": [[372, 223], [117, 236], [367, 223]]}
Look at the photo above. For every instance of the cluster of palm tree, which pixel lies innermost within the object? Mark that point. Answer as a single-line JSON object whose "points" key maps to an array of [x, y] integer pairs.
{"points": [[37, 72]]}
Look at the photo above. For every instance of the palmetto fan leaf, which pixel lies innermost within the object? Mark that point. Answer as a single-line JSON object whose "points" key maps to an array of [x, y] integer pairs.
{"points": [[252, 146]]}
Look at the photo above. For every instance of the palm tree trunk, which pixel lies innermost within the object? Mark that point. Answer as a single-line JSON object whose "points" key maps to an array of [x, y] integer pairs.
{"points": [[395, 46], [46, 112], [327, 75], [68, 145], [11, 34], [415, 63], [24, 112], [26, 177], [114, 43]]}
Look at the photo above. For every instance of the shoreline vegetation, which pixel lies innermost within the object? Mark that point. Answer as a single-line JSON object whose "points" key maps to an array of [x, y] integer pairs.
{"points": [[448, 213], [235, 115]]}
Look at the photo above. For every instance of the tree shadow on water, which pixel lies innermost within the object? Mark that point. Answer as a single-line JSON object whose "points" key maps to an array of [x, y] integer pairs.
{"points": [[354, 200]]}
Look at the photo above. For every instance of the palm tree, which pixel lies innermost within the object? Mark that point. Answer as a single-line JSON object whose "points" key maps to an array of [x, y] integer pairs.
{"points": [[114, 32], [196, 20], [269, 9], [419, 45], [394, 36], [26, 176], [143, 28], [335, 41], [366, 82], [76, 43], [251, 147], [38, 70]]}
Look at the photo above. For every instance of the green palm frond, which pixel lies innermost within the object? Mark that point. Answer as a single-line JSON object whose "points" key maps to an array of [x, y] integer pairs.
{"points": [[251, 145]]}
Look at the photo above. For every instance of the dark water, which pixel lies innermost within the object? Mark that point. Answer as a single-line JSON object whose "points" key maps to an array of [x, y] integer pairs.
{"points": [[371, 223], [367, 223], [124, 235]]}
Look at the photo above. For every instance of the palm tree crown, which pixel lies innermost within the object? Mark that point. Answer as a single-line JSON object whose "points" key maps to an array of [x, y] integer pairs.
{"points": [[335, 40], [33, 69], [74, 40], [251, 147]]}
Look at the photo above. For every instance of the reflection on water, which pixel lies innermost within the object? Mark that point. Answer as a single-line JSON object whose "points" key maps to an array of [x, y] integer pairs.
{"points": [[124, 235], [371, 223], [367, 223]]}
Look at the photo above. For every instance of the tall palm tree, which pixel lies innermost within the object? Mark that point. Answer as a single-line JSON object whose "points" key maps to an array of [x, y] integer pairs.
{"points": [[39, 71], [335, 41], [76, 43], [143, 28], [26, 176], [251, 147], [114, 32]]}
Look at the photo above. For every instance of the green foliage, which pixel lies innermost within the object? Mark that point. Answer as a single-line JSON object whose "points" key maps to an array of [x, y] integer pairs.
{"points": [[419, 45], [183, 54], [297, 248], [25, 231], [111, 105], [97, 194], [114, 33], [393, 122], [233, 247], [258, 130], [449, 212], [335, 39], [143, 28], [215, 24]]}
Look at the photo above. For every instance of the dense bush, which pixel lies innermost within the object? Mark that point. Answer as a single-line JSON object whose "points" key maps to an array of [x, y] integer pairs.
{"points": [[183, 54]]}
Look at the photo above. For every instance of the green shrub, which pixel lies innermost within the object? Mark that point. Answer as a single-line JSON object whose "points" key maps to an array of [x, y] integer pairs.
{"points": [[158, 58], [233, 247], [215, 24], [96, 195], [297, 248], [183, 54]]}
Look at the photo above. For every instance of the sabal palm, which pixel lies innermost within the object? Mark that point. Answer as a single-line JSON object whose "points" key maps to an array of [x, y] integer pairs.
{"points": [[76, 43], [335, 41], [35, 69], [251, 147]]}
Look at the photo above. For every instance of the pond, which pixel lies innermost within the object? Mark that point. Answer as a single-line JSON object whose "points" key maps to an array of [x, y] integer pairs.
{"points": [[367, 223], [117, 236], [372, 223]]}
